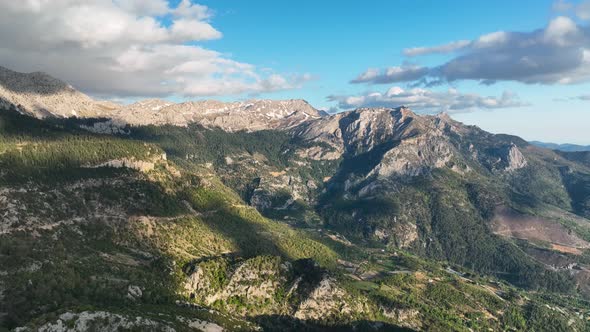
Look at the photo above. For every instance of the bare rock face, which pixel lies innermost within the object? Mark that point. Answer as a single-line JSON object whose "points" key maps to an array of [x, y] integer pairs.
{"points": [[515, 159], [409, 318], [361, 130], [132, 163], [41, 95], [506, 157], [415, 156], [149, 112], [134, 292], [328, 300], [250, 115], [401, 142]]}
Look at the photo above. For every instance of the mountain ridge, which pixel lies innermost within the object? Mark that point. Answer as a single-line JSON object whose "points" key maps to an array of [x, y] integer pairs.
{"points": [[566, 147], [40, 95]]}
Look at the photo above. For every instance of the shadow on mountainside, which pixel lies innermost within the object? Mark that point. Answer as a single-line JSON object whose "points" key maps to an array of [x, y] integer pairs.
{"points": [[286, 323], [31, 83], [13, 124]]}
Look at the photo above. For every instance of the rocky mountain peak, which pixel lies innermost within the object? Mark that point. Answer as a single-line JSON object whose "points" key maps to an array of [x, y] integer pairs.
{"points": [[515, 158], [41, 95], [363, 129], [405, 111], [444, 116]]}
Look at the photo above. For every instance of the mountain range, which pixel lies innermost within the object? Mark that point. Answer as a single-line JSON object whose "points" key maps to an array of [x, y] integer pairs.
{"points": [[40, 95], [273, 215], [562, 147]]}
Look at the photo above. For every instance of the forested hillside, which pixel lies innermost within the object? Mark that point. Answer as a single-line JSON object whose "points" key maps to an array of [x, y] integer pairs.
{"points": [[195, 228]]}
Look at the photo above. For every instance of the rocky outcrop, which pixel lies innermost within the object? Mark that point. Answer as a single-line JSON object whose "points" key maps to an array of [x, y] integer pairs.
{"points": [[99, 321], [278, 188], [515, 159], [409, 318], [139, 165], [402, 234], [329, 300], [266, 285], [240, 285], [415, 156], [132, 163], [104, 321], [134, 292]]}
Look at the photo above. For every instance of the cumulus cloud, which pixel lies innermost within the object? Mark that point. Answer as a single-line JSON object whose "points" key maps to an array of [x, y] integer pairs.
{"points": [[581, 9], [428, 100], [446, 48], [392, 74], [144, 7], [556, 54], [193, 10], [122, 48]]}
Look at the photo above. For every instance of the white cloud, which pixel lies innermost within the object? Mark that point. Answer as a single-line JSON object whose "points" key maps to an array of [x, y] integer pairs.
{"points": [[144, 7], [237, 86], [192, 10], [556, 54], [493, 39], [562, 6], [583, 10], [562, 31], [446, 48], [190, 29], [121, 48], [428, 100], [392, 74]]}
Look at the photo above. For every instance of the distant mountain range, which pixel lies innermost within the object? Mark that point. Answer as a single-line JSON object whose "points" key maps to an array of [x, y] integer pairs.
{"points": [[271, 215], [40, 95], [562, 147]]}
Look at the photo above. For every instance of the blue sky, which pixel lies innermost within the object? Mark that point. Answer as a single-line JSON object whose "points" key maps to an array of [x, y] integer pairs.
{"points": [[234, 49]]}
